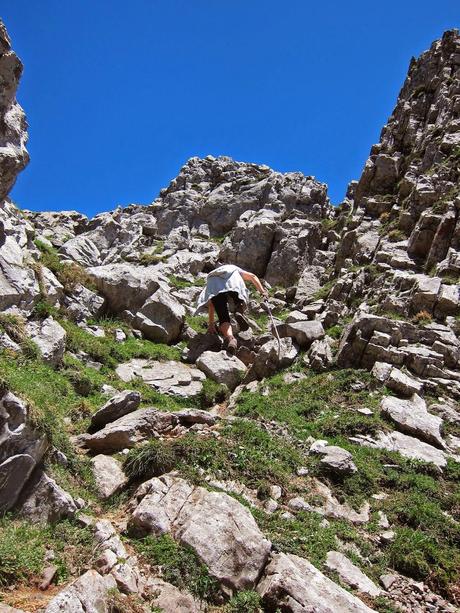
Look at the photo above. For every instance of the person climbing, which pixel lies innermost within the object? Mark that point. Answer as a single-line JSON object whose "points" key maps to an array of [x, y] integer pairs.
{"points": [[223, 284]]}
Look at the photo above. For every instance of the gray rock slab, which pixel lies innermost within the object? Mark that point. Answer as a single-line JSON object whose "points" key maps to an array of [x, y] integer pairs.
{"points": [[411, 417], [303, 332], [292, 584], [50, 337], [130, 429], [171, 377], [121, 404], [45, 501], [350, 574], [221, 531], [88, 594], [108, 475], [222, 367]]}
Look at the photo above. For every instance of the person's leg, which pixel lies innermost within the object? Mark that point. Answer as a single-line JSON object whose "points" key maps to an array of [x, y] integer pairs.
{"points": [[220, 303], [239, 308]]}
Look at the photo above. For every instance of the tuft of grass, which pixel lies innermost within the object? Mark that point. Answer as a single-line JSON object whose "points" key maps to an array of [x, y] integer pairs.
{"points": [[244, 602], [197, 322], [69, 274], [212, 393], [179, 565], [422, 318]]}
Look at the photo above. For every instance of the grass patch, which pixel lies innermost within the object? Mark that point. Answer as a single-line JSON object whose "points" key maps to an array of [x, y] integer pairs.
{"points": [[199, 323], [23, 547], [69, 274], [179, 565], [244, 602], [179, 283]]}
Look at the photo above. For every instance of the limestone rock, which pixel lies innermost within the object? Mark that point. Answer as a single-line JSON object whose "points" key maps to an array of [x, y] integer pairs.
{"points": [[89, 593], [292, 584], [303, 332], [21, 449], [402, 383], [412, 417], [222, 532], [222, 367], [167, 597], [121, 404], [407, 446], [130, 429], [169, 377], [161, 317], [273, 356], [351, 574], [50, 337], [320, 354], [125, 286], [82, 303], [337, 460], [46, 502], [108, 475]]}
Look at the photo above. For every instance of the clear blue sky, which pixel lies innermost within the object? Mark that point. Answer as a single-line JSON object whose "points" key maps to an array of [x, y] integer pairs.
{"points": [[119, 94]]}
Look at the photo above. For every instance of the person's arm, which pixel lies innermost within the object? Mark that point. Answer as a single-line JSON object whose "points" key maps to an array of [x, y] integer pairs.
{"points": [[254, 279], [211, 324]]}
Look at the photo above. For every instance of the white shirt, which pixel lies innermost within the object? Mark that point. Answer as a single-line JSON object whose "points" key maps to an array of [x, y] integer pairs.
{"points": [[226, 278]]}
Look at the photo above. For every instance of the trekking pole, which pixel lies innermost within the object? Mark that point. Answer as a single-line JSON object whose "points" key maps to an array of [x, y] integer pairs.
{"points": [[273, 326]]}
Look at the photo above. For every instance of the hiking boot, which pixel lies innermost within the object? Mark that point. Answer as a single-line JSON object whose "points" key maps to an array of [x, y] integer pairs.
{"points": [[242, 322], [231, 345]]}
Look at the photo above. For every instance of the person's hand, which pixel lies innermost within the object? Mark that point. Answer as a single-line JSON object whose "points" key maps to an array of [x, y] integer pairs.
{"points": [[212, 328]]}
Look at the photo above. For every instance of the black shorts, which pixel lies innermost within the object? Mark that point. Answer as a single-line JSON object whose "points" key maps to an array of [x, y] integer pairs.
{"points": [[220, 303]]}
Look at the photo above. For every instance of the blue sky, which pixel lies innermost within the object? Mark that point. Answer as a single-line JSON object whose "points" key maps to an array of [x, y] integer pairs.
{"points": [[120, 94]]}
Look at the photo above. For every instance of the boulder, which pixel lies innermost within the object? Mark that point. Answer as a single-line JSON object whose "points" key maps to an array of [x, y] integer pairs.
{"points": [[126, 286], [222, 367], [403, 384], [123, 403], [411, 416], [273, 356], [407, 446], [303, 332], [351, 574], [49, 337], [82, 250], [108, 475], [90, 593], [292, 584], [320, 354], [82, 303], [161, 317], [219, 529], [173, 378], [167, 597], [21, 449], [45, 502], [130, 429], [336, 460]]}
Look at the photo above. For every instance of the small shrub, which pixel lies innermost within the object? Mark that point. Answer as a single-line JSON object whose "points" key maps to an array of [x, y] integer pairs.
{"points": [[396, 235], [335, 331], [150, 460], [422, 318]]}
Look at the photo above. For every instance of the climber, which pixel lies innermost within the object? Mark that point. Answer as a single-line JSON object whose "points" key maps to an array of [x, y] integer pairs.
{"points": [[223, 283]]}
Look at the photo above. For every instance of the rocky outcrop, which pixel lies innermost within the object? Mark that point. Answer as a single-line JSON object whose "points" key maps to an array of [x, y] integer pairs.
{"points": [[294, 585], [21, 449], [13, 130], [229, 542]]}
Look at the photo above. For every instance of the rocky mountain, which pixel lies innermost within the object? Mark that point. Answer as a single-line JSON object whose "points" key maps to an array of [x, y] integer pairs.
{"points": [[143, 468]]}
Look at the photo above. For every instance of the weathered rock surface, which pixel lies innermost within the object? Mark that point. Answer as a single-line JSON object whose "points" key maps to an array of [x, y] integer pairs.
{"points": [[21, 449], [130, 429], [167, 597], [89, 593], [221, 531], [168, 377], [411, 416], [161, 317], [108, 475], [222, 367], [123, 403], [351, 574], [336, 460], [50, 337], [296, 586], [46, 502]]}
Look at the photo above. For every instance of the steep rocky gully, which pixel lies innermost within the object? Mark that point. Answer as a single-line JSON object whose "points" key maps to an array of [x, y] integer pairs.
{"points": [[142, 468]]}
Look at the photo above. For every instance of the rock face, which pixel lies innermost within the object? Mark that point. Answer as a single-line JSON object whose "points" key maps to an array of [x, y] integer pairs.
{"points": [[89, 593], [13, 153], [351, 574], [50, 339], [21, 449], [228, 542], [46, 502], [222, 368], [294, 585], [108, 475]]}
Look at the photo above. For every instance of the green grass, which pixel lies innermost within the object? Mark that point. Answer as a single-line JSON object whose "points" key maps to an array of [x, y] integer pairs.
{"points": [[197, 322], [179, 283], [23, 546], [179, 565], [244, 451], [244, 602], [69, 274]]}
